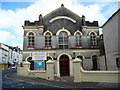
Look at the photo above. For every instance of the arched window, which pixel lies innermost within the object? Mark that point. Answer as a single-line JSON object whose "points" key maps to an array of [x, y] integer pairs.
{"points": [[31, 40], [78, 40], [93, 39], [48, 41], [63, 40]]}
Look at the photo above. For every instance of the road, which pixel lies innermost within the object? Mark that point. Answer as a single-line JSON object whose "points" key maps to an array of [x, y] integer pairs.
{"points": [[13, 83], [29, 83]]}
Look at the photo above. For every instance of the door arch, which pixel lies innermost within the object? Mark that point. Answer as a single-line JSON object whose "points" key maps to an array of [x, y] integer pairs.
{"points": [[64, 65]]}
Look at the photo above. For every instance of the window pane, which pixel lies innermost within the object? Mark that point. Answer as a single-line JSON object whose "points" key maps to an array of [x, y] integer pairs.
{"points": [[31, 33], [66, 46], [47, 40], [78, 40], [61, 46], [31, 41], [63, 40]]}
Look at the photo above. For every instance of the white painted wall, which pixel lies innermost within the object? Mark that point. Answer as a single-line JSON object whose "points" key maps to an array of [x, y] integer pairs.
{"points": [[110, 33], [81, 75]]}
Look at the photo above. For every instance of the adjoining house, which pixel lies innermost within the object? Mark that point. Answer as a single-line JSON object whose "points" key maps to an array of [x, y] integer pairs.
{"points": [[62, 36], [4, 55], [15, 56], [9, 56], [111, 30]]}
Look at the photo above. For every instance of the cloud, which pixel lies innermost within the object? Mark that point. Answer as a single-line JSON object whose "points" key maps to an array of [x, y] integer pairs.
{"points": [[6, 36], [12, 21]]}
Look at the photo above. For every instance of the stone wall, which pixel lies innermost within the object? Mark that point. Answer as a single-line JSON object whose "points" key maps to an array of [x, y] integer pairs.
{"points": [[45, 74], [81, 75]]}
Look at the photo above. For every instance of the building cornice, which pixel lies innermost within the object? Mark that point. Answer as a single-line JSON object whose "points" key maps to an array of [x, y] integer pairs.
{"points": [[54, 51], [58, 36], [90, 27], [32, 27]]}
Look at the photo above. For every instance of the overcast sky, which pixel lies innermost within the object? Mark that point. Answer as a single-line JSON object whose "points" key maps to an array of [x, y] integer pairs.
{"points": [[15, 12]]}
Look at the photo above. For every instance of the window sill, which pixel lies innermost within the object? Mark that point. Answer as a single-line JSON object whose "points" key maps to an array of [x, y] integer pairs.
{"points": [[93, 45], [79, 46], [30, 47], [47, 46]]}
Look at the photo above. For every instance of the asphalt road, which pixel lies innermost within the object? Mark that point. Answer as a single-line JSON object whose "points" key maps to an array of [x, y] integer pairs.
{"points": [[8, 83], [12, 83]]}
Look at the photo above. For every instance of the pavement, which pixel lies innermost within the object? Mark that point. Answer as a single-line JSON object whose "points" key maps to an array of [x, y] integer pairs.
{"points": [[66, 83]]}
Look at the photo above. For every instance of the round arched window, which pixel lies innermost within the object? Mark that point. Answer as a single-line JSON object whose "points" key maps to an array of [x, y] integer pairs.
{"points": [[31, 40], [63, 40]]}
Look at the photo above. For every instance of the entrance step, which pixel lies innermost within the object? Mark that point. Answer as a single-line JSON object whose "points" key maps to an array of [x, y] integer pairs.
{"points": [[69, 79]]}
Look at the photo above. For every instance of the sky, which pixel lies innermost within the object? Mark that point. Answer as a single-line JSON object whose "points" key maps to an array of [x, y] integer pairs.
{"points": [[13, 13]]}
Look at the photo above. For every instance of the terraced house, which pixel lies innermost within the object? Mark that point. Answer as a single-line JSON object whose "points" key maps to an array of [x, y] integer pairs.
{"points": [[63, 36]]}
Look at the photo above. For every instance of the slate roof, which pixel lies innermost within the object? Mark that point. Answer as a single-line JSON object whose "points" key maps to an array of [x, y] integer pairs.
{"points": [[58, 24]]}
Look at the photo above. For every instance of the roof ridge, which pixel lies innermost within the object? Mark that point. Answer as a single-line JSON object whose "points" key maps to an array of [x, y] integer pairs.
{"points": [[52, 12], [59, 9]]}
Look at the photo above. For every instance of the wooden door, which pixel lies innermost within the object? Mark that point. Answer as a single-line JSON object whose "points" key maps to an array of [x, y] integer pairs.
{"points": [[64, 66]]}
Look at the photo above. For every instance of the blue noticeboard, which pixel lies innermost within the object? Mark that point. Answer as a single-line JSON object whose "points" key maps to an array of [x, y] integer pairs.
{"points": [[38, 65]]}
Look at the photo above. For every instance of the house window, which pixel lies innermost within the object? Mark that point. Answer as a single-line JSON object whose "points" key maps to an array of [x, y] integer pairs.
{"points": [[48, 44], [63, 40], [4, 52], [3, 59], [78, 40], [31, 40], [93, 40], [118, 62]]}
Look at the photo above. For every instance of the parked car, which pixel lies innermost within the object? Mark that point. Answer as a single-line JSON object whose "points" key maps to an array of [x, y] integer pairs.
{"points": [[13, 67]]}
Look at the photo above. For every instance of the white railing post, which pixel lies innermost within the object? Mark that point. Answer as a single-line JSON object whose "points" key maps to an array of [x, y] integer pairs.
{"points": [[26, 66], [76, 67], [50, 70]]}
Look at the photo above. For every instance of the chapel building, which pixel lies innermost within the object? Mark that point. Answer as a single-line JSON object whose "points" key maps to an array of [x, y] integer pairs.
{"points": [[64, 36]]}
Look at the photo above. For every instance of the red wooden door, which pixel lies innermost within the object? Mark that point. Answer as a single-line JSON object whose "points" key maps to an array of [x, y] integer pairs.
{"points": [[64, 66]]}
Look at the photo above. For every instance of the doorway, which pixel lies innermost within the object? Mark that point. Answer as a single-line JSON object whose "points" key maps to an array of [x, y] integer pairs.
{"points": [[64, 66]]}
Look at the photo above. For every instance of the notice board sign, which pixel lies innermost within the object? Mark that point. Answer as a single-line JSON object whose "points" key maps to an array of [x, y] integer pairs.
{"points": [[39, 56], [39, 64]]}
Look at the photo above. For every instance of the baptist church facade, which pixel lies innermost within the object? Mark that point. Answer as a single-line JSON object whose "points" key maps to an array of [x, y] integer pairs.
{"points": [[64, 36]]}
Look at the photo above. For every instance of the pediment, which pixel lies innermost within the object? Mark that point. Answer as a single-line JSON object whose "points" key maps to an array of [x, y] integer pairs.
{"points": [[61, 13]]}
